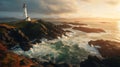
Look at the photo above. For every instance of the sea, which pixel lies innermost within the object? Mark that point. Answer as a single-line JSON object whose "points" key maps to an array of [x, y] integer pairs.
{"points": [[74, 47]]}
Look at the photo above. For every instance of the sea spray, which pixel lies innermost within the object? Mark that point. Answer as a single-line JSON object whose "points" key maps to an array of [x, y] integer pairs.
{"points": [[68, 49], [56, 52], [72, 49]]}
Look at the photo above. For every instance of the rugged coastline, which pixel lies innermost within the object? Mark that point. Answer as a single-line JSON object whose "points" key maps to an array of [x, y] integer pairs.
{"points": [[19, 33], [23, 33]]}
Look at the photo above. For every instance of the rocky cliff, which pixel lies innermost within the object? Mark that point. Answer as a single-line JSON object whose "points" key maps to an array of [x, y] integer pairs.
{"points": [[23, 33], [10, 59], [11, 36]]}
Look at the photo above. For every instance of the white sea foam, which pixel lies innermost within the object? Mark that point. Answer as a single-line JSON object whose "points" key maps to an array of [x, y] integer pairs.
{"points": [[72, 48], [62, 49]]}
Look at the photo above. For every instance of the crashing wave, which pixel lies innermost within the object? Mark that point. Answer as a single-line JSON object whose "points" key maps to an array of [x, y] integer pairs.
{"points": [[57, 52]]}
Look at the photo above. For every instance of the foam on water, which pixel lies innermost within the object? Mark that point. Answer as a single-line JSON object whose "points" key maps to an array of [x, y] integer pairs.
{"points": [[72, 48]]}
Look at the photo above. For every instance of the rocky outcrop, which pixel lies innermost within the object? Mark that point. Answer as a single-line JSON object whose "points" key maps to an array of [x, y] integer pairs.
{"points": [[88, 30], [80, 24], [23, 32], [40, 29], [10, 59], [12, 36], [107, 48], [64, 26], [94, 61], [51, 64]]}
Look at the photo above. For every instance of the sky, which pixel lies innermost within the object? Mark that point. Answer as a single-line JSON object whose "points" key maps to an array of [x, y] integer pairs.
{"points": [[62, 8]]}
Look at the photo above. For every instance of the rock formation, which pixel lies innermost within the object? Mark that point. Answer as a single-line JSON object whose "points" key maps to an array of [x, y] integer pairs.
{"points": [[107, 48], [10, 59], [23, 32], [88, 30]]}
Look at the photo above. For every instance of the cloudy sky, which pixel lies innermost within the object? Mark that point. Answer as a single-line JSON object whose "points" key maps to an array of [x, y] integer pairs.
{"points": [[63, 8]]}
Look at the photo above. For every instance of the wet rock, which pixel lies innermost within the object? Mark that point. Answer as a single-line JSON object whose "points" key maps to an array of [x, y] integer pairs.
{"points": [[22, 33], [40, 30], [94, 61], [50, 64], [88, 30], [2, 47], [64, 26], [11, 37], [10, 59], [112, 62], [108, 48], [81, 24], [63, 65]]}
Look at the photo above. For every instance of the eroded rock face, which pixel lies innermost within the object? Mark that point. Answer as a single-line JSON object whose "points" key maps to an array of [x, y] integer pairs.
{"points": [[12, 36], [23, 32], [40, 30], [108, 48], [10, 59]]}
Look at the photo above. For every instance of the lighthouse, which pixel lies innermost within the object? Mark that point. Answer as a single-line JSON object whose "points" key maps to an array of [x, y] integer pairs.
{"points": [[27, 18]]}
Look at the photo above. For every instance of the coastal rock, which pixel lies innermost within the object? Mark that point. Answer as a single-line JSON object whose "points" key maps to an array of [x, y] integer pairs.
{"points": [[64, 26], [51, 64], [88, 30], [23, 33], [94, 61], [80, 24], [40, 29], [108, 48], [12, 36], [10, 59]]}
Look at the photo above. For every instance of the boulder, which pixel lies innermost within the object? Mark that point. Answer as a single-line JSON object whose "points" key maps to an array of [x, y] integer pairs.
{"points": [[107, 48], [10, 59]]}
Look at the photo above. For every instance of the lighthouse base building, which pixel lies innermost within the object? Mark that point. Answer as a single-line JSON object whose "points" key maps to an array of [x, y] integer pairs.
{"points": [[28, 19]]}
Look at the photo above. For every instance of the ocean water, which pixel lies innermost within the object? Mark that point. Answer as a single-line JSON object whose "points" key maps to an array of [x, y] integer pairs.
{"points": [[73, 48]]}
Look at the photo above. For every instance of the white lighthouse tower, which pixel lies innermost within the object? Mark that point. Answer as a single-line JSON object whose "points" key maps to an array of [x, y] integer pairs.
{"points": [[27, 18]]}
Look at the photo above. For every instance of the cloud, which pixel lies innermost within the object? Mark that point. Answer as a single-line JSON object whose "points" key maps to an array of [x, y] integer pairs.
{"points": [[58, 6], [41, 6], [110, 2], [113, 3], [86, 0]]}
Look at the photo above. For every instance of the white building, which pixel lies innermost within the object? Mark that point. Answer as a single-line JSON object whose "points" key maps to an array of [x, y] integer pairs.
{"points": [[27, 18]]}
